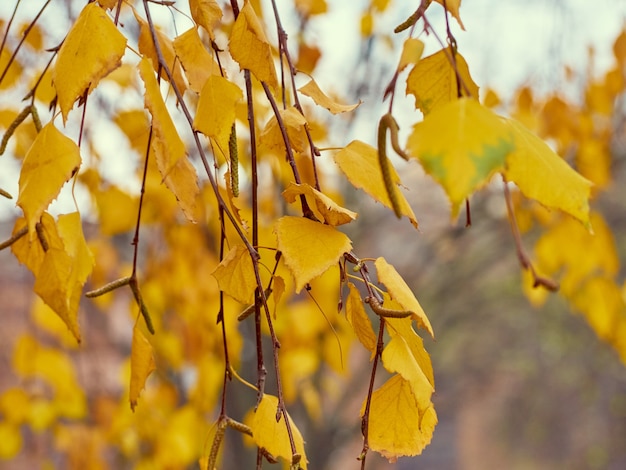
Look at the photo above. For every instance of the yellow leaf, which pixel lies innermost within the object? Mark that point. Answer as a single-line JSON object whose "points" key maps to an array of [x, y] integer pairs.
{"points": [[398, 357], [324, 207], [31, 254], [360, 322], [453, 7], [50, 162], [250, 48], [411, 53], [235, 275], [10, 440], [177, 172], [313, 91], [216, 109], [15, 70], [147, 49], [271, 137], [433, 81], [206, 13], [397, 425], [117, 210], [271, 435], [461, 145], [309, 248], [568, 248], [544, 176], [401, 293], [141, 365], [136, 126], [403, 327], [311, 7], [359, 162], [92, 49], [63, 273], [195, 59]]}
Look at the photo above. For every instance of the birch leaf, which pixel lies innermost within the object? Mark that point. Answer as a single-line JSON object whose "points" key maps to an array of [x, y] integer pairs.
{"points": [[197, 63], [313, 91], [31, 253], [325, 208], [401, 293], [206, 13], [544, 176], [49, 163], [141, 365], [359, 162], [271, 435], [250, 48], [433, 81], [461, 145], [235, 275], [359, 321], [309, 247], [397, 425], [411, 53], [177, 172], [92, 49]]}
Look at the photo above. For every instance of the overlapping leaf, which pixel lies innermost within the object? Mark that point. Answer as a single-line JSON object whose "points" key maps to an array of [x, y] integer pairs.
{"points": [[250, 48], [272, 138], [359, 162], [401, 293], [461, 145], [235, 275], [324, 207], [177, 172], [63, 272], [544, 176], [398, 426], [359, 321], [434, 81], [92, 49], [195, 59], [216, 109], [271, 435], [49, 163], [309, 248]]}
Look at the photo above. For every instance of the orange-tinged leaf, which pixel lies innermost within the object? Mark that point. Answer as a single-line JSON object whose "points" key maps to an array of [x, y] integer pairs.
{"points": [[206, 13], [309, 248], [271, 137], [360, 322], [397, 425], [544, 176], [271, 435], [49, 163], [433, 81], [235, 275], [401, 293], [323, 206], [359, 162], [31, 254], [411, 53], [453, 7], [92, 49], [461, 145], [141, 365], [216, 109], [311, 7], [250, 48], [313, 91], [195, 59], [177, 172], [147, 49]]}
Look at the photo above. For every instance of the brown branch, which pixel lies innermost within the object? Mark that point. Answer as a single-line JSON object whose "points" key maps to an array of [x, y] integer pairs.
{"points": [[15, 237]]}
